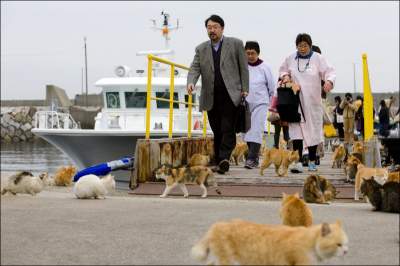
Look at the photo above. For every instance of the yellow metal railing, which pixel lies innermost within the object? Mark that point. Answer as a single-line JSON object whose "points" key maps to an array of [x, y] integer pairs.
{"points": [[171, 97], [368, 102]]}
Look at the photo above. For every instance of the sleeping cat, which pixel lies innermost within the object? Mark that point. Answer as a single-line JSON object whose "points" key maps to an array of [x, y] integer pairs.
{"points": [[294, 211], [318, 189], [280, 158], [239, 242], [200, 175], [199, 159]]}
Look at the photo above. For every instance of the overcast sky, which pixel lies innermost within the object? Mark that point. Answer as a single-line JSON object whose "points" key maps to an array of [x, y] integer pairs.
{"points": [[42, 42]]}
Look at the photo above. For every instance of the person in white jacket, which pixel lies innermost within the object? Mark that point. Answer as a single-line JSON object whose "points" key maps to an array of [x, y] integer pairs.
{"points": [[261, 89], [307, 68]]}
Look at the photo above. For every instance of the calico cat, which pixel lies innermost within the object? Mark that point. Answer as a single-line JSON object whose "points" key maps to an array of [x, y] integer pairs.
{"points": [[239, 242], [63, 176], [200, 175], [380, 174], [280, 158], [317, 189], [24, 183], [338, 156], [294, 211], [199, 159], [239, 153]]}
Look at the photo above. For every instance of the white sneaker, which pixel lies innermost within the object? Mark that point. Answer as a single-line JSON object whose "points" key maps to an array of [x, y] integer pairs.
{"points": [[298, 168]]}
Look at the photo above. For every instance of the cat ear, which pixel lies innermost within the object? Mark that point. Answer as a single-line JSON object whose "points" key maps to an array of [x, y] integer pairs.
{"points": [[339, 223], [325, 229]]}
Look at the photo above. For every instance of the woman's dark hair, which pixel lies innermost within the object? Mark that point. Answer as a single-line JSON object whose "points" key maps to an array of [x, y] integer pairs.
{"points": [[360, 98], [338, 99], [316, 49], [303, 37], [348, 95], [216, 19], [383, 103], [252, 45]]}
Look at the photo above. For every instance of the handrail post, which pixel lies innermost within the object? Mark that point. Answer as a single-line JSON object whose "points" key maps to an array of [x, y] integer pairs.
{"points": [[148, 96], [171, 103], [204, 123], [190, 116]]}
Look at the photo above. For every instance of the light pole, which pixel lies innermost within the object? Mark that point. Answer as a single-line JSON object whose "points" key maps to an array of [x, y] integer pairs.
{"points": [[86, 74]]}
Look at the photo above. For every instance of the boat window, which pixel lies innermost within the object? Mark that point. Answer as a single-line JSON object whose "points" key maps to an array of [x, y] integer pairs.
{"points": [[113, 99], [187, 99], [135, 99], [165, 95]]}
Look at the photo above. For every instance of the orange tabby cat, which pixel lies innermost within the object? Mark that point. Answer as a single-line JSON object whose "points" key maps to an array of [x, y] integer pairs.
{"points": [[239, 242], [279, 158], [294, 211], [199, 159], [338, 156], [63, 176], [239, 152]]}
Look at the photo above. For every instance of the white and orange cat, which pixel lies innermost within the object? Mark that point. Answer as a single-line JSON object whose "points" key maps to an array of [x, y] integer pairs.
{"points": [[294, 211], [239, 242]]}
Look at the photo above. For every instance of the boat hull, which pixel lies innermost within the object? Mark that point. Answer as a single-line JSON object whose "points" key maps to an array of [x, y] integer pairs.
{"points": [[90, 147]]}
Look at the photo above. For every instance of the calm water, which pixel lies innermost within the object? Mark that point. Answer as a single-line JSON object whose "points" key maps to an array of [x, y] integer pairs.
{"points": [[37, 156]]}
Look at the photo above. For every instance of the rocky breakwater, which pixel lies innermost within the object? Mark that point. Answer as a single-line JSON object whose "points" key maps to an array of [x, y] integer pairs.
{"points": [[16, 123]]}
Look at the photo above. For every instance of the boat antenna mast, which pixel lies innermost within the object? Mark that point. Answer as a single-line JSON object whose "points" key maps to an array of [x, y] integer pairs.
{"points": [[166, 28]]}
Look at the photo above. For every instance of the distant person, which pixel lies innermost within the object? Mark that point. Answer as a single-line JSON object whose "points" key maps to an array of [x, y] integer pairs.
{"points": [[359, 115], [261, 90], [338, 118], [222, 65], [383, 119], [307, 68], [349, 109]]}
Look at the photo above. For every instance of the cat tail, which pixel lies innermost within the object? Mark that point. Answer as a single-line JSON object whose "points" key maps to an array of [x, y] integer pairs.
{"points": [[200, 250]]}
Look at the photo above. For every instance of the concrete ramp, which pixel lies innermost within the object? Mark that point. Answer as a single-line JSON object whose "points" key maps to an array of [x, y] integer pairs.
{"points": [[151, 154], [55, 93]]}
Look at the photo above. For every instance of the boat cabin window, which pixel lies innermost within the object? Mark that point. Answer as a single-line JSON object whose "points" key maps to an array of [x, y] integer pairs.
{"points": [[113, 99], [135, 99], [187, 99], [165, 95]]}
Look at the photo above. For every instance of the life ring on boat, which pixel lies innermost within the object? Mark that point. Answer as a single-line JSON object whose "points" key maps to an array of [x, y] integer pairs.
{"points": [[105, 168]]}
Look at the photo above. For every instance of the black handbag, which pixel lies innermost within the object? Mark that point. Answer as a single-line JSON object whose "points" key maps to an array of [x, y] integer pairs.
{"points": [[243, 120], [288, 105]]}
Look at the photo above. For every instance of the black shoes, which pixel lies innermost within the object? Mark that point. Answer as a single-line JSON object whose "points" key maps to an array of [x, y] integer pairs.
{"points": [[222, 167]]}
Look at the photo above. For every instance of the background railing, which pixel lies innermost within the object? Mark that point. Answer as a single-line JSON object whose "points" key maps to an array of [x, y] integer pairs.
{"points": [[173, 65]]}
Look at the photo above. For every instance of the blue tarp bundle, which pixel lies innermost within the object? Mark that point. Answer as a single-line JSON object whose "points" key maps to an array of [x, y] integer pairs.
{"points": [[105, 168]]}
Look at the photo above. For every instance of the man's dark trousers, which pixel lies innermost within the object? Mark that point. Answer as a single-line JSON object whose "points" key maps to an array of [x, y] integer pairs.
{"points": [[222, 119]]}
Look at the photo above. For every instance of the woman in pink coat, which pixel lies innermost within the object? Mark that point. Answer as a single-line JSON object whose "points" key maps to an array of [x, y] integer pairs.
{"points": [[307, 68]]}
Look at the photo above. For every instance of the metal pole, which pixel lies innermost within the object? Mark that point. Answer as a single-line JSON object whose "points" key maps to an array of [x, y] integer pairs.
{"points": [[86, 97], [354, 77], [82, 82]]}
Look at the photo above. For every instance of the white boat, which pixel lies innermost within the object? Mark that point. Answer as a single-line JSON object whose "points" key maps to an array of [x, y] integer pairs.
{"points": [[122, 119]]}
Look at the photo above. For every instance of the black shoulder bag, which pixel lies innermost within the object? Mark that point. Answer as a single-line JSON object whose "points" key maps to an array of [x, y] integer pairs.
{"points": [[288, 105], [243, 120]]}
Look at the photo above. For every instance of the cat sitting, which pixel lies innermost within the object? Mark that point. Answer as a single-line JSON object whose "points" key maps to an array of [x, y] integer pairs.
{"points": [[91, 186], [239, 242], [380, 174], [24, 183], [338, 156], [280, 158], [63, 176], [199, 175], [294, 211], [239, 153], [383, 198], [318, 189], [199, 159]]}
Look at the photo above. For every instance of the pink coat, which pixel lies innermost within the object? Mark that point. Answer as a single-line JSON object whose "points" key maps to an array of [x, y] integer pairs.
{"points": [[309, 78]]}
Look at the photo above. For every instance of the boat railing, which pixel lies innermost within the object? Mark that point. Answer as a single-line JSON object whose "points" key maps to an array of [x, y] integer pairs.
{"points": [[54, 120], [171, 101]]}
